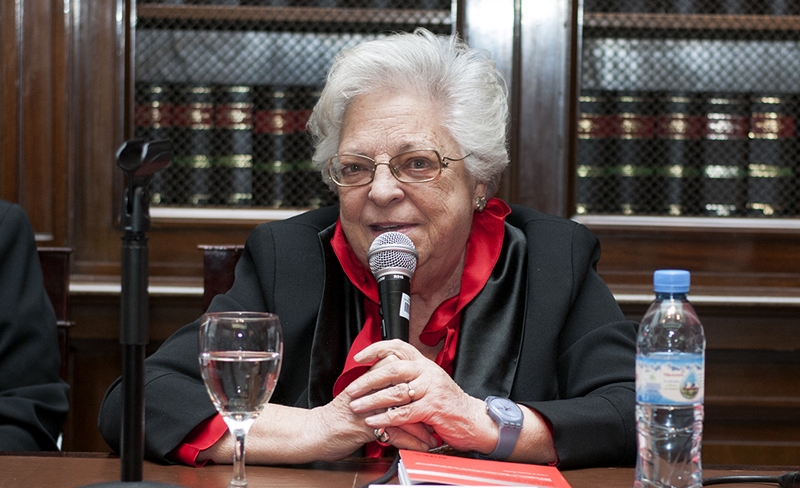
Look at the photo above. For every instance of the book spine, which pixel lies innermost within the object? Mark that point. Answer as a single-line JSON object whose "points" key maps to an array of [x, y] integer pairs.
{"points": [[269, 3], [432, 4], [596, 154], [731, 7], [635, 165], [679, 130], [316, 193], [737, 7], [782, 7], [634, 6], [725, 155], [233, 146], [681, 6], [383, 4], [152, 115], [194, 121], [772, 161], [274, 127]]}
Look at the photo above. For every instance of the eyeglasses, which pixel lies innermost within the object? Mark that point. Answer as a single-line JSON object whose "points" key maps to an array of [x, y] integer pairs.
{"points": [[417, 166]]}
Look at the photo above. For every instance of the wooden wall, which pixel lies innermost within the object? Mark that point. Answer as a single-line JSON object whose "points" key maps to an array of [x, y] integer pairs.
{"points": [[95, 353], [752, 407]]}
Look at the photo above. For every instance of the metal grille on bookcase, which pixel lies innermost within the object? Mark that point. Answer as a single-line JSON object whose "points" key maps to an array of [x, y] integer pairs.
{"points": [[233, 82], [689, 108]]}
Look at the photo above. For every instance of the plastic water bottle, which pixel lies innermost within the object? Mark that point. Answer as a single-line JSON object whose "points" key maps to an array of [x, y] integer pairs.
{"points": [[670, 374]]}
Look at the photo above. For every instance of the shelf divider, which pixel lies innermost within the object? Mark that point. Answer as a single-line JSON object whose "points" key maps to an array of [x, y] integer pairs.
{"points": [[293, 14]]}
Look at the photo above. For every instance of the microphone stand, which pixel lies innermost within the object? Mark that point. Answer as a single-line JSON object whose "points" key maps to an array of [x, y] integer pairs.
{"points": [[140, 161]]}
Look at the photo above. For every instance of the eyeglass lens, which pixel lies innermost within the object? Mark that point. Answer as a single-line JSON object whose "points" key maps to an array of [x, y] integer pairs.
{"points": [[408, 167]]}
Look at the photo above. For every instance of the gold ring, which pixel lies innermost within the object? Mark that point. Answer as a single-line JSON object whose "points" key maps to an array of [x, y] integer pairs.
{"points": [[381, 435]]}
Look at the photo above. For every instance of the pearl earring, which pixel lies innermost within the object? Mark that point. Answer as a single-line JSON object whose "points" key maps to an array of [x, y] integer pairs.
{"points": [[480, 203]]}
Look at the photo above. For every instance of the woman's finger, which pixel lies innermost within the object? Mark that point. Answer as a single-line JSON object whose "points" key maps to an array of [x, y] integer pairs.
{"points": [[388, 397], [384, 349], [377, 378], [381, 362], [411, 436]]}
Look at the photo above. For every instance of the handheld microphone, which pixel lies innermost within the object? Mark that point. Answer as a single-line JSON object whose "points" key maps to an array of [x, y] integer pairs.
{"points": [[393, 259]]}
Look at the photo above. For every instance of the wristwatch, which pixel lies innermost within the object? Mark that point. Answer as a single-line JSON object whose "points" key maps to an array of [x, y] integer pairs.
{"points": [[509, 417]]}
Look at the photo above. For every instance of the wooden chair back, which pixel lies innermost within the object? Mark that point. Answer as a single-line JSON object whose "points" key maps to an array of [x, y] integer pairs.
{"points": [[55, 269], [219, 263]]}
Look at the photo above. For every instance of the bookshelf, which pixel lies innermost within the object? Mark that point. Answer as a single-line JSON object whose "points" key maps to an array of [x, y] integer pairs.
{"points": [[189, 59], [713, 133]]}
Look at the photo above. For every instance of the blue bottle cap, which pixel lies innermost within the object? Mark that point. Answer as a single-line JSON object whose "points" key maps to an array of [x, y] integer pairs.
{"points": [[671, 281]]}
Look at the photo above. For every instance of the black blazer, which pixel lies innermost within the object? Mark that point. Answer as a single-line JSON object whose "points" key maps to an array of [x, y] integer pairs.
{"points": [[545, 332], [33, 399]]}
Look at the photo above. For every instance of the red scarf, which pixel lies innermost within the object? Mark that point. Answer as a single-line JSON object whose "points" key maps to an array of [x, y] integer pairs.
{"points": [[483, 250]]}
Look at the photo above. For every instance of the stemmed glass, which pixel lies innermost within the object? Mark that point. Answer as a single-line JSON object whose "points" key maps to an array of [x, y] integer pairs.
{"points": [[240, 358]]}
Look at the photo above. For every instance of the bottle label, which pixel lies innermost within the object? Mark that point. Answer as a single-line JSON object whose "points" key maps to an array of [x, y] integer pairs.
{"points": [[670, 379]]}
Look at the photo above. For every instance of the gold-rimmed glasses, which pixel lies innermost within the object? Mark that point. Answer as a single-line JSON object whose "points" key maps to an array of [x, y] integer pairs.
{"points": [[416, 166]]}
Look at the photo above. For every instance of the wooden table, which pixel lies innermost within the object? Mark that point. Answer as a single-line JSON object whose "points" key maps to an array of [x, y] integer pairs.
{"points": [[71, 470]]}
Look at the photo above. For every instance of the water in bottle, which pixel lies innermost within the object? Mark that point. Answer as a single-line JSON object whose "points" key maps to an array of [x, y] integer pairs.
{"points": [[670, 367]]}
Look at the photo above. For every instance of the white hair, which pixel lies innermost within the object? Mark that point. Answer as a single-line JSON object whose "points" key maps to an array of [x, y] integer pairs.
{"points": [[464, 83]]}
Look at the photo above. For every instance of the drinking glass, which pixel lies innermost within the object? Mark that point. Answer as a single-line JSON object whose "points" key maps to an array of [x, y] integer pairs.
{"points": [[240, 358]]}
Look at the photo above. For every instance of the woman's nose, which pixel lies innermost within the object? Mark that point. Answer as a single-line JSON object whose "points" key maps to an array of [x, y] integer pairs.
{"points": [[385, 187]]}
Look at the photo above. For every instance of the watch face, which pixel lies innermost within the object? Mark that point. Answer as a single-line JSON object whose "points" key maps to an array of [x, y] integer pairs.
{"points": [[506, 409]]}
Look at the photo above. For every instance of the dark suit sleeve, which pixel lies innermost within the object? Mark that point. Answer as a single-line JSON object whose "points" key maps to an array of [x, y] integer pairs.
{"points": [[33, 399], [592, 414]]}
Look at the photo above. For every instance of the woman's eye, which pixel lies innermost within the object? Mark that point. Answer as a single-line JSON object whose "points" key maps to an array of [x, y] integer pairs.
{"points": [[419, 164], [351, 169]]}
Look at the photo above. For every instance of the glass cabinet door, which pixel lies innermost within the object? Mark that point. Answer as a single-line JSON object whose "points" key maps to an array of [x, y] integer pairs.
{"points": [[233, 82], [688, 108]]}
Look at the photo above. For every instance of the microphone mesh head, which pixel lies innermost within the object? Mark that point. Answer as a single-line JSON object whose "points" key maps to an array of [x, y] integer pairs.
{"points": [[392, 252]]}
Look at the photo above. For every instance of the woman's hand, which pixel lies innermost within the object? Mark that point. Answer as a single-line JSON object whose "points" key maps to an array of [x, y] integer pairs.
{"points": [[290, 435], [335, 430], [410, 396]]}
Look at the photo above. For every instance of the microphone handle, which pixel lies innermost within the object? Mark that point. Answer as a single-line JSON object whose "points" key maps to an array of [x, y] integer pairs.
{"points": [[394, 292]]}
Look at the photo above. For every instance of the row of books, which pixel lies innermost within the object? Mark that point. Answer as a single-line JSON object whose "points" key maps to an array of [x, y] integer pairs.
{"points": [[233, 144], [688, 154], [724, 7], [275, 186], [401, 4]]}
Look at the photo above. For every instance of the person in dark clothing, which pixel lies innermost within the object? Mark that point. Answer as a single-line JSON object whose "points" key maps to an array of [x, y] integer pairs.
{"points": [[33, 399], [517, 349]]}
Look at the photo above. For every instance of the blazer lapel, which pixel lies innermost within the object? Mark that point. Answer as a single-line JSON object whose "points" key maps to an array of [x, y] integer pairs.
{"points": [[490, 338], [340, 318]]}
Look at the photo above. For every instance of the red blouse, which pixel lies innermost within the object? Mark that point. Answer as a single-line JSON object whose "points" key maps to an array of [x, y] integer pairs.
{"points": [[483, 250]]}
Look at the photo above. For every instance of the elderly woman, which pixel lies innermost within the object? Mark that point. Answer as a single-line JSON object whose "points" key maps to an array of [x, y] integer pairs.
{"points": [[517, 350]]}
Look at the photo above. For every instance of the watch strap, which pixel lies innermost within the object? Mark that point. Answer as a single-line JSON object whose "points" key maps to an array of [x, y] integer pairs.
{"points": [[509, 430]]}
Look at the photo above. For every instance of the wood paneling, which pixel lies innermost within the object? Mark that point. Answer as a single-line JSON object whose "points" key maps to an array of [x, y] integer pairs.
{"points": [[36, 96], [9, 60], [32, 101], [752, 390], [493, 25], [98, 115], [95, 352], [547, 50], [722, 258]]}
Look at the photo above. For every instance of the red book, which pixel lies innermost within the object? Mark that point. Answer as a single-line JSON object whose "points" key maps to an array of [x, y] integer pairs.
{"points": [[418, 468]]}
